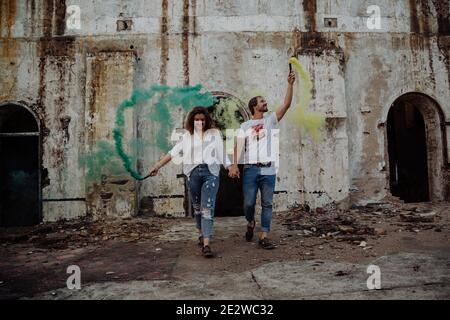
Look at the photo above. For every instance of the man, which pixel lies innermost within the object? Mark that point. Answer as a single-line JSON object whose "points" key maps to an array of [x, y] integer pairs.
{"points": [[259, 161]]}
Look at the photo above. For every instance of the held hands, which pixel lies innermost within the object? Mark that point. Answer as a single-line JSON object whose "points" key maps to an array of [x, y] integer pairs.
{"points": [[233, 171]]}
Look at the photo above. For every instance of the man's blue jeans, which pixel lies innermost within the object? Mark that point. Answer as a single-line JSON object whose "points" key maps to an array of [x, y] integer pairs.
{"points": [[203, 187], [252, 182]]}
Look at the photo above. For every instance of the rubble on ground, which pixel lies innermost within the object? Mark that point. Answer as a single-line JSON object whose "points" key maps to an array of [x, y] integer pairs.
{"points": [[354, 226], [418, 216], [59, 235], [357, 224]]}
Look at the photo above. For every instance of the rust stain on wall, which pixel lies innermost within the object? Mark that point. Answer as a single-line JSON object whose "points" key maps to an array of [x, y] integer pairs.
{"points": [[9, 49], [421, 25], [52, 47], [95, 46], [60, 17], [276, 40], [47, 17], [8, 10], [33, 17], [96, 87], [413, 17], [164, 41], [109, 79], [419, 19], [425, 9], [443, 38], [443, 16], [422, 17], [295, 41], [317, 43], [426, 17], [56, 47], [53, 17], [194, 17], [185, 41], [310, 8]]}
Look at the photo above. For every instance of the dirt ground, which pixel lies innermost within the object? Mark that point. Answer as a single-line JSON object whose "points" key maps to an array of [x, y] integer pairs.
{"points": [[35, 259]]}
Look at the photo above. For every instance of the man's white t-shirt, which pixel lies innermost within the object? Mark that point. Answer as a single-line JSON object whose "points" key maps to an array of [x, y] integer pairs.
{"points": [[261, 142]]}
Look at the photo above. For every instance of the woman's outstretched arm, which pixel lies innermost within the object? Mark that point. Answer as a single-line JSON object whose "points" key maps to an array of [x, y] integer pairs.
{"points": [[176, 150], [161, 163]]}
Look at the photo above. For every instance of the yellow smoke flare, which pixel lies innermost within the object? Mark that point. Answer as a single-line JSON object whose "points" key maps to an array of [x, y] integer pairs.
{"points": [[309, 121]]}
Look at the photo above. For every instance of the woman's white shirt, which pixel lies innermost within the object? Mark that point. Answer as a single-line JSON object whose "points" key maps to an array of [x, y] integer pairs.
{"points": [[192, 150]]}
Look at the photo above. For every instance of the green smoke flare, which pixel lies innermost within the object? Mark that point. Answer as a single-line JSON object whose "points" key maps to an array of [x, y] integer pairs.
{"points": [[160, 113]]}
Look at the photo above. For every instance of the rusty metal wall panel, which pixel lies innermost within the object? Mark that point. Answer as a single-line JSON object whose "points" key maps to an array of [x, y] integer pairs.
{"points": [[109, 80], [63, 140]]}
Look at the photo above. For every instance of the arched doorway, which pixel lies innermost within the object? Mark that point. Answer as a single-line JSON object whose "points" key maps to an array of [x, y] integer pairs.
{"points": [[228, 113], [415, 147], [19, 167]]}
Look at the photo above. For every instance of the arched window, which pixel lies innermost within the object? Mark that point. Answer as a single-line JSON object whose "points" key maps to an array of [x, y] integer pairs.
{"points": [[19, 167]]}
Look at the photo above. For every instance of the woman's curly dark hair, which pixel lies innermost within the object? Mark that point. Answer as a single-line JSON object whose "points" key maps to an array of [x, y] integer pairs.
{"points": [[209, 123]]}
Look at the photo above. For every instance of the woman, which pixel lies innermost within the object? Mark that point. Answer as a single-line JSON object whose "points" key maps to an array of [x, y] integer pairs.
{"points": [[201, 152]]}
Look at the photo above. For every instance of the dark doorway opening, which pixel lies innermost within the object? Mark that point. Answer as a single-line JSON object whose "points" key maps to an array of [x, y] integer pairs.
{"points": [[228, 113], [407, 148], [19, 167]]}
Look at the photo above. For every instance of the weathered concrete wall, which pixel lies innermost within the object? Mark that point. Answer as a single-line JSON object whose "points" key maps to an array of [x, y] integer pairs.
{"points": [[109, 78], [74, 78]]}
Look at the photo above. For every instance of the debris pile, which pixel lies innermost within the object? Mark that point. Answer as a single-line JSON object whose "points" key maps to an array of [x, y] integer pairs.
{"points": [[416, 215], [339, 227], [416, 219], [360, 222], [83, 232]]}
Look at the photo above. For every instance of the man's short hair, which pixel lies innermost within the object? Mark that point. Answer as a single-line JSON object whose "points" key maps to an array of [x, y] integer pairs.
{"points": [[252, 104]]}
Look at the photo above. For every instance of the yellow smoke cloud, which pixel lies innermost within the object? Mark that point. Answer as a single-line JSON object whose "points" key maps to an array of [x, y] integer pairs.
{"points": [[309, 121]]}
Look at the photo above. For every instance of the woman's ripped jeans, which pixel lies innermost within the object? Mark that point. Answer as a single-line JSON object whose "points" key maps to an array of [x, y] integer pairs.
{"points": [[203, 187]]}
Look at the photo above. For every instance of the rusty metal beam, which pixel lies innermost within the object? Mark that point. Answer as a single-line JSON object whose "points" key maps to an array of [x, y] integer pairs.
{"points": [[64, 199], [19, 134]]}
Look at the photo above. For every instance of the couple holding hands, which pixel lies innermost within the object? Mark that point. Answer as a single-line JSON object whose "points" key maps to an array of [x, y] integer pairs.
{"points": [[201, 152]]}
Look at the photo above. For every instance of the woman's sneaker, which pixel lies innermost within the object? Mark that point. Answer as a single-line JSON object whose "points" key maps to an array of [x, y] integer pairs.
{"points": [[249, 233], [206, 251]]}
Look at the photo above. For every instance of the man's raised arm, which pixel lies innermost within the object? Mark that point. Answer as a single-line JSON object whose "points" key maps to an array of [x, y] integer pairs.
{"points": [[281, 111]]}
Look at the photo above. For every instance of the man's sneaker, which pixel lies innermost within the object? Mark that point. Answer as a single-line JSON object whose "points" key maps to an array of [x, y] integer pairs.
{"points": [[266, 244], [206, 251], [249, 233]]}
